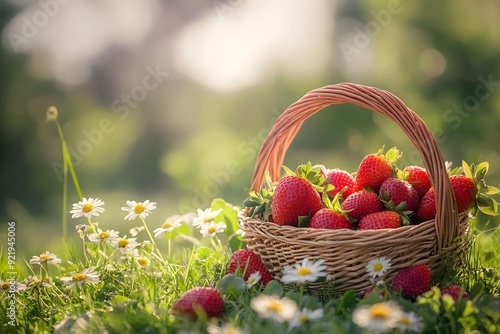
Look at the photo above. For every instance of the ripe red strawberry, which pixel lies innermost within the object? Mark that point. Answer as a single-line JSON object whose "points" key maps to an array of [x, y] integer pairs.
{"points": [[293, 197], [361, 203], [427, 207], [454, 291], [399, 191], [342, 182], [418, 178], [464, 190], [413, 281], [247, 262], [375, 169], [380, 220], [207, 299], [330, 219]]}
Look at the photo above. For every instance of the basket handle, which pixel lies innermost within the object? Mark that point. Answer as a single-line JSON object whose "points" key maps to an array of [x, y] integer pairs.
{"points": [[274, 147]]}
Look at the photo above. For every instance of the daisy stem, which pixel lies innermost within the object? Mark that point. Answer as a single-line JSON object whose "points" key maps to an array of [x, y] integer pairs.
{"points": [[152, 239]]}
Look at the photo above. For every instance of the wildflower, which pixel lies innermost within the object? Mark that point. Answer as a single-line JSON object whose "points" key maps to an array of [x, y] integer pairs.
{"points": [[5, 286], [224, 329], [82, 230], [33, 281], [51, 114], [134, 231], [125, 245], [378, 267], [301, 317], [241, 233], [88, 275], [141, 209], [103, 236], [167, 227], [212, 228], [87, 208], [253, 279], [143, 262], [379, 318], [410, 322], [46, 257], [274, 307], [302, 272], [205, 217]]}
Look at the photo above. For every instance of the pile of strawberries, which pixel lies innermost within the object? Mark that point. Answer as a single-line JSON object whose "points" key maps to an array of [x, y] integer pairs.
{"points": [[378, 196]]}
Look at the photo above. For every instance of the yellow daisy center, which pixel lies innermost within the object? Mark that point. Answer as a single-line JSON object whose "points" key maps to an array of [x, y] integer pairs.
{"points": [[122, 243], [87, 208], [380, 311], [45, 258], [212, 229], [230, 331], [274, 306], [405, 321], [5, 286], [304, 271], [167, 225], [142, 261], [78, 277], [303, 318], [139, 208], [103, 235], [378, 267]]}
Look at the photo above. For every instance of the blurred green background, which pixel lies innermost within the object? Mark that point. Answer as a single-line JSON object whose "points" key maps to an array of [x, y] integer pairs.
{"points": [[171, 100]]}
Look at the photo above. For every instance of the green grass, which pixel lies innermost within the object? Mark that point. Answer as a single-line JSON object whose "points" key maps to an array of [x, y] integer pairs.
{"points": [[130, 298]]}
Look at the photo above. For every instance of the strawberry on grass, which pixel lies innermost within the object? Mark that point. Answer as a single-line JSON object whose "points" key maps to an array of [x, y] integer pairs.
{"points": [[247, 263], [455, 291], [412, 281], [200, 299]]}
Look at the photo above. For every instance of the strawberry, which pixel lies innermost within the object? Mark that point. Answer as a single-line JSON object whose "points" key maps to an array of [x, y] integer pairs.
{"points": [[427, 207], [207, 299], [464, 190], [247, 262], [454, 291], [330, 219], [297, 195], [380, 220], [413, 281], [418, 178], [399, 191], [342, 182], [361, 203], [375, 169]]}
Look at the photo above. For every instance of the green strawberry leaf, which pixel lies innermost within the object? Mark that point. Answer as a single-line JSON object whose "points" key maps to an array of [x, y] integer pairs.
{"points": [[490, 190], [304, 221], [393, 154], [273, 288], [467, 170], [487, 205], [231, 285]]}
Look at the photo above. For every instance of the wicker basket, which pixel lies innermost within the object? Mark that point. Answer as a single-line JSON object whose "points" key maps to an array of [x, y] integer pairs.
{"points": [[436, 243]]}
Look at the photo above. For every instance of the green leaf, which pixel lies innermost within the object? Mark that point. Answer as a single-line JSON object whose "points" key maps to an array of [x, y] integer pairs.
{"points": [[228, 214], [304, 221], [491, 190], [231, 285], [467, 170], [273, 288]]}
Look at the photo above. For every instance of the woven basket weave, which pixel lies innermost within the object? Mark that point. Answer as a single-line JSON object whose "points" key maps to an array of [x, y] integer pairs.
{"points": [[436, 242]]}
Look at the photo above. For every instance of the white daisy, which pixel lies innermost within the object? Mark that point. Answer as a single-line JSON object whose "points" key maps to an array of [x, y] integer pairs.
{"points": [[378, 267], [5, 286], [88, 275], [87, 208], [143, 262], [303, 272], [301, 317], [410, 322], [274, 307], [134, 231], [103, 236], [205, 217], [141, 209], [33, 281], [167, 227], [224, 329], [379, 318], [46, 257], [212, 228], [125, 245], [253, 279], [241, 233]]}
